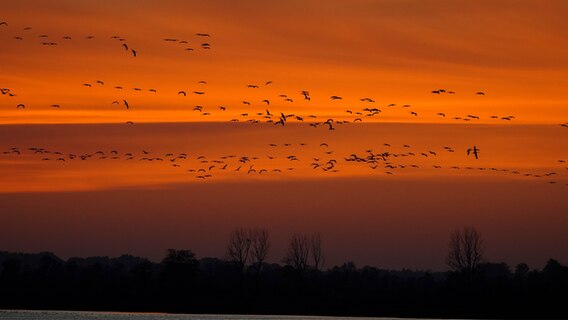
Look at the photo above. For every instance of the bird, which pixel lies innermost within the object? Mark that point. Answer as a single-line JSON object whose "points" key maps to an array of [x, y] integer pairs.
{"points": [[335, 98], [480, 93], [3, 23], [21, 105], [134, 52], [475, 151], [126, 104], [182, 92]]}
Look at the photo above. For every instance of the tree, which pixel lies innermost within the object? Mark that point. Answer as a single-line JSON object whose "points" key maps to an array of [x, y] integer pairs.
{"points": [[317, 251], [238, 249], [465, 250], [180, 267], [298, 252], [260, 245]]}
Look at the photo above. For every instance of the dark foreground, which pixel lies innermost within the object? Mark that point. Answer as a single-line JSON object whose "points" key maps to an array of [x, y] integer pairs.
{"points": [[183, 284], [90, 315]]}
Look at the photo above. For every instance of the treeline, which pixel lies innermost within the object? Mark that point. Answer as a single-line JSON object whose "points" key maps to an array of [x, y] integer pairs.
{"points": [[244, 283]]}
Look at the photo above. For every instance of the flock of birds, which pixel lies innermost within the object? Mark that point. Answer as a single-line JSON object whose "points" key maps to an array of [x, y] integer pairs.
{"points": [[261, 110], [389, 160]]}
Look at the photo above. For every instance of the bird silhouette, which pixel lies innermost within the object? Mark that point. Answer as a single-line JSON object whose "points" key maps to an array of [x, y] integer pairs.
{"points": [[473, 150]]}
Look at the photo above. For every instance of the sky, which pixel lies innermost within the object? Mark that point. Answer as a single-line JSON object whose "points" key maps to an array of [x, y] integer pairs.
{"points": [[198, 152]]}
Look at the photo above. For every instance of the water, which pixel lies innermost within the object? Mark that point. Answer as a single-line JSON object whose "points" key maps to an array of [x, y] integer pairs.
{"points": [[86, 315]]}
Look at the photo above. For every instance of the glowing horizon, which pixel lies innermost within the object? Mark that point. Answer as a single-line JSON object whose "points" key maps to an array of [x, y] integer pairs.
{"points": [[399, 91]]}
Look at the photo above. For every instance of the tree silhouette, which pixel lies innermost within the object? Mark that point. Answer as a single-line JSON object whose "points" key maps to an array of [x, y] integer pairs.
{"points": [[259, 247], [238, 249], [317, 251], [298, 251], [180, 267], [465, 250]]}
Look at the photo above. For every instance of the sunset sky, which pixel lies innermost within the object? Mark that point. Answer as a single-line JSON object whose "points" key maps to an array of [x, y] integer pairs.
{"points": [[396, 211]]}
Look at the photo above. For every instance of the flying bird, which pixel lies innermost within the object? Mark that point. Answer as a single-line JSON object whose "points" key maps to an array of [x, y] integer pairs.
{"points": [[473, 150]]}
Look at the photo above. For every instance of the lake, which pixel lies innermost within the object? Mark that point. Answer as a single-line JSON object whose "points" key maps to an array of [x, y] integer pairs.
{"points": [[87, 315]]}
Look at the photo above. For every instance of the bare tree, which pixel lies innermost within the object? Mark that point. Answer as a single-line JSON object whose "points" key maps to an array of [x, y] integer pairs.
{"points": [[298, 252], [238, 250], [317, 251], [260, 246], [465, 250]]}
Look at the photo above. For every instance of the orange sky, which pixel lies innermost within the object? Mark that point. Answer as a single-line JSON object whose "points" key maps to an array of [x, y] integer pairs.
{"points": [[395, 52]]}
